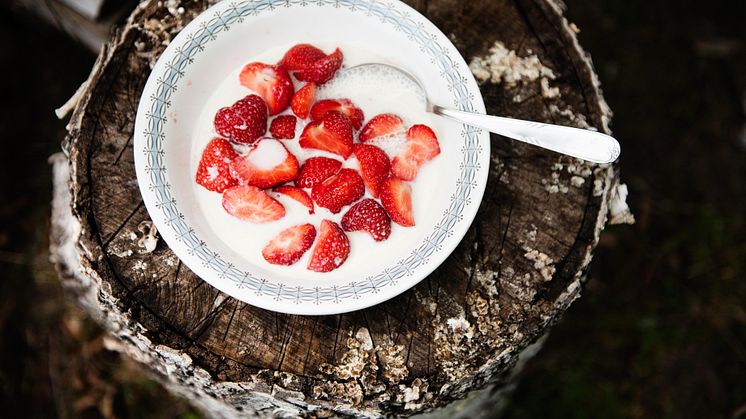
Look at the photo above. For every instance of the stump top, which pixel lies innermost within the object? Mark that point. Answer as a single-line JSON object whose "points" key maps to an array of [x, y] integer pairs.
{"points": [[518, 268]]}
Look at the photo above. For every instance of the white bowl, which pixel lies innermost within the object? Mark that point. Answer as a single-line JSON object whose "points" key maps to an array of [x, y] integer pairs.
{"points": [[170, 134]]}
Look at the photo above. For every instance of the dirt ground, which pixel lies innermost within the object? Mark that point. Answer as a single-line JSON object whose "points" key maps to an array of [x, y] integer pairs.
{"points": [[660, 331]]}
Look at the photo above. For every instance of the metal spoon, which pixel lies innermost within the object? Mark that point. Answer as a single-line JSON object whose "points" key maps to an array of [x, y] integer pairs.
{"points": [[583, 144]]}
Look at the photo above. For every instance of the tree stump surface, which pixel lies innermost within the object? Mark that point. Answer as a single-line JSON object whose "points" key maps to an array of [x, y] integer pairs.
{"points": [[515, 272]]}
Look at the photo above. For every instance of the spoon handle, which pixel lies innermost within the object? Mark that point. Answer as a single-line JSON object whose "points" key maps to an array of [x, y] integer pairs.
{"points": [[583, 144]]}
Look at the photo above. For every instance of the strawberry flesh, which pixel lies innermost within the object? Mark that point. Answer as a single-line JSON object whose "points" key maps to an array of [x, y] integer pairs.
{"points": [[271, 82], [369, 216], [268, 164], [333, 133], [297, 194], [214, 171], [374, 165], [332, 248], [396, 198], [252, 204], [380, 125], [342, 189], [421, 147], [316, 170], [283, 127], [301, 56], [322, 70], [302, 100], [244, 121], [345, 106], [290, 245]]}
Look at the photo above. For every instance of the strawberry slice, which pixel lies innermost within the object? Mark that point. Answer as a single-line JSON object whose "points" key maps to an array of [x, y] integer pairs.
{"points": [[421, 147], [271, 82], [374, 165], [316, 170], [268, 164], [333, 133], [283, 127], [290, 245], [322, 70], [298, 194], [302, 100], [252, 204], [244, 121], [345, 106], [369, 216], [339, 190], [331, 249], [380, 125], [396, 197], [301, 56], [214, 171]]}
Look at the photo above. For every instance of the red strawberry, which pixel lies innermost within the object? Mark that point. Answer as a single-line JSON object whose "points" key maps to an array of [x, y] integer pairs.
{"points": [[298, 194], [396, 197], [214, 171], [301, 56], [339, 190], [383, 124], [421, 147], [321, 71], [252, 204], [316, 170], [368, 215], [268, 164], [244, 121], [374, 165], [331, 249], [271, 83], [302, 100], [283, 127], [345, 106], [333, 134], [288, 246]]}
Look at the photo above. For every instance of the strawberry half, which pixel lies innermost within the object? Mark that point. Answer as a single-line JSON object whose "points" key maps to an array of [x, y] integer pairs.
{"points": [[268, 164], [322, 70], [333, 133], [302, 100], [331, 249], [301, 56], [271, 83], [244, 121], [214, 171], [396, 197], [283, 127], [380, 125], [344, 106], [374, 165], [339, 190], [252, 204], [369, 216], [421, 147], [290, 245], [316, 170], [298, 194]]}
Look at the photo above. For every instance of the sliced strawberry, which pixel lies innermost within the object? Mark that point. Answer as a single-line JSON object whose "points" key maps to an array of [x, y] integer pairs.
{"points": [[345, 106], [331, 249], [302, 100], [301, 56], [333, 134], [339, 190], [374, 165], [396, 197], [369, 216], [421, 147], [268, 164], [252, 204], [316, 170], [321, 71], [298, 194], [271, 83], [244, 121], [290, 245], [380, 125], [283, 127], [214, 171]]}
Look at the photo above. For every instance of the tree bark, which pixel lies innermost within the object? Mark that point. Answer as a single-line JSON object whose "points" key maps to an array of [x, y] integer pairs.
{"points": [[462, 329]]}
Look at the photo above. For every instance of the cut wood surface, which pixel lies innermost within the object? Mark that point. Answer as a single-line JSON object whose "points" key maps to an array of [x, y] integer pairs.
{"points": [[515, 272]]}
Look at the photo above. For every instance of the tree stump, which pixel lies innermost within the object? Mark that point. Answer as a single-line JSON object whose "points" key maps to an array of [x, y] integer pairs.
{"points": [[462, 329]]}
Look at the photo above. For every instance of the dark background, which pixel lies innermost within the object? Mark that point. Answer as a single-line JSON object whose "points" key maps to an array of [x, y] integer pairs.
{"points": [[660, 331]]}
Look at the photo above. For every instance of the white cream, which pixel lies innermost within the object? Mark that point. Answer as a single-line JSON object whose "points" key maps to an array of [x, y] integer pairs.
{"points": [[267, 154]]}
